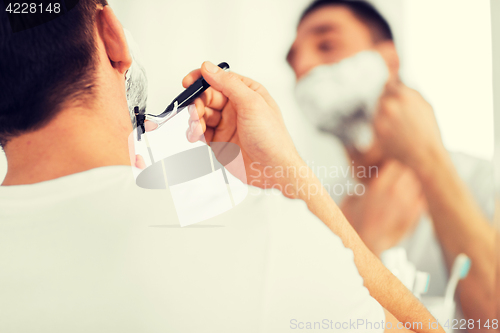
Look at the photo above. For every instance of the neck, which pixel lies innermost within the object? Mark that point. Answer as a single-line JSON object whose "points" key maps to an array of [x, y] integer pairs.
{"points": [[75, 141]]}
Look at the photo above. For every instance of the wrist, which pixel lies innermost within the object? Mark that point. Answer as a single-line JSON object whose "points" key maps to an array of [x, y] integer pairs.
{"points": [[288, 175], [306, 185], [430, 162], [299, 182]]}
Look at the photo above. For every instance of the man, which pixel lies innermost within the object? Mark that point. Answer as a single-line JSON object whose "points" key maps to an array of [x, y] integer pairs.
{"points": [[82, 249], [415, 171]]}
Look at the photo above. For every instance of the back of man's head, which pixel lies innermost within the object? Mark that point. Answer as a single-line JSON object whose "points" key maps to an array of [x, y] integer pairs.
{"points": [[363, 10], [44, 67]]}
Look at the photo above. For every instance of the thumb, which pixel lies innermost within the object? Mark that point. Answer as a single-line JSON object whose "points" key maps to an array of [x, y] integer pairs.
{"points": [[228, 83], [392, 88]]}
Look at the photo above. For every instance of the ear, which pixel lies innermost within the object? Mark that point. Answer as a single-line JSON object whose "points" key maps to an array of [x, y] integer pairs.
{"points": [[388, 51], [113, 37]]}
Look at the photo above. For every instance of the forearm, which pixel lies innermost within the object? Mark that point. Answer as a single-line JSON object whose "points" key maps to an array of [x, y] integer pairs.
{"points": [[381, 283], [461, 228]]}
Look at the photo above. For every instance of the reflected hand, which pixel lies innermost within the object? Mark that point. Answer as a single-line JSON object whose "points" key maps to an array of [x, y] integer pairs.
{"points": [[406, 128]]}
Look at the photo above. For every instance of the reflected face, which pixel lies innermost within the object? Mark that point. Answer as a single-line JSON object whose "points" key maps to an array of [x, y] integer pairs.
{"points": [[328, 35]]}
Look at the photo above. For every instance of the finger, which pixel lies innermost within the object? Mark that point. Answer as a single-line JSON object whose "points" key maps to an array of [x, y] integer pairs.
{"points": [[196, 130], [139, 162], [209, 135], [191, 137], [256, 87], [191, 78], [197, 125], [229, 83], [196, 110], [388, 106], [214, 99], [392, 88], [212, 117], [150, 126], [223, 78], [197, 73]]}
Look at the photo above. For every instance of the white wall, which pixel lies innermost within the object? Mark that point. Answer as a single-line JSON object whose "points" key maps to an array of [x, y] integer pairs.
{"points": [[445, 48], [448, 57]]}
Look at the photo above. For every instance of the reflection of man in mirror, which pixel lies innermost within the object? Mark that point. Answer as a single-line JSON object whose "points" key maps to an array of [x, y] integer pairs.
{"points": [[347, 68]]}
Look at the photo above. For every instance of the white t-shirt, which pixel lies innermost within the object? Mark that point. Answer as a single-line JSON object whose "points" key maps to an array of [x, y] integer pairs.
{"points": [[92, 252]]}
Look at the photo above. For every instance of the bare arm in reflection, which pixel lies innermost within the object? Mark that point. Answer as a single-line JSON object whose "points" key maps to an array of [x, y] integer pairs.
{"points": [[406, 130]]}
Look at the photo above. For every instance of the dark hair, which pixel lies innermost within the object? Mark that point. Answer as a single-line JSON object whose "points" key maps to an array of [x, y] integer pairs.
{"points": [[364, 11], [45, 66]]}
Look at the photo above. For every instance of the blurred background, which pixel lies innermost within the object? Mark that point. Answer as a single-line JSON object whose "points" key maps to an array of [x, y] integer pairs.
{"points": [[445, 48]]}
